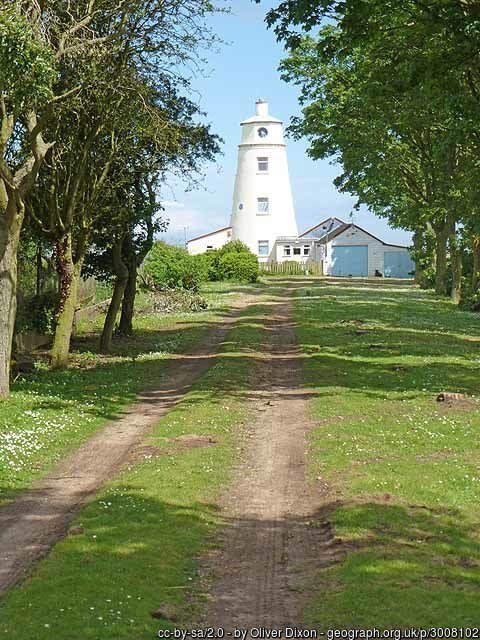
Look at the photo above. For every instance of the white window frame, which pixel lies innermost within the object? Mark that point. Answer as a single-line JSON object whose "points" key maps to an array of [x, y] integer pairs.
{"points": [[263, 206], [265, 248], [297, 251], [287, 250], [306, 249], [262, 164]]}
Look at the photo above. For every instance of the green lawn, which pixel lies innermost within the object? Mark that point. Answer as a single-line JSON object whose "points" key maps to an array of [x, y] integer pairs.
{"points": [[403, 468], [138, 540], [49, 413]]}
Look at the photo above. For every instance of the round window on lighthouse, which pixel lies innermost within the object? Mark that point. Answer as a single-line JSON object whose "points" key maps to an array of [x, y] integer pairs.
{"points": [[263, 132]]}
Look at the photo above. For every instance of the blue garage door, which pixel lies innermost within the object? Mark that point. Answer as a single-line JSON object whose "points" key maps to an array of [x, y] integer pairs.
{"points": [[349, 260], [398, 264]]}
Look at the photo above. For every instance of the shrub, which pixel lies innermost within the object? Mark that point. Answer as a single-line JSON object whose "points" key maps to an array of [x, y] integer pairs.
{"points": [[38, 313], [236, 246], [233, 261], [470, 299], [168, 267], [204, 265], [241, 267]]}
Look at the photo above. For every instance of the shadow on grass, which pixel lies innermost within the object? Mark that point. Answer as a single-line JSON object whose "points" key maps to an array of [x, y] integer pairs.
{"points": [[334, 354], [139, 552], [404, 566]]}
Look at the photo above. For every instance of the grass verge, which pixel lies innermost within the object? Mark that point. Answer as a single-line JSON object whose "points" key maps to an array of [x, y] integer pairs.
{"points": [[50, 413], [404, 468], [134, 547]]}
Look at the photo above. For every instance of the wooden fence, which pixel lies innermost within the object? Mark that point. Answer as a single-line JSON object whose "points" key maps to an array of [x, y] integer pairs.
{"points": [[292, 268]]}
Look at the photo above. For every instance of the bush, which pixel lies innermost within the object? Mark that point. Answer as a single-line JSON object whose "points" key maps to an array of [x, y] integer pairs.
{"points": [[168, 267], [38, 313], [233, 261], [470, 299], [204, 265], [236, 246], [240, 267]]}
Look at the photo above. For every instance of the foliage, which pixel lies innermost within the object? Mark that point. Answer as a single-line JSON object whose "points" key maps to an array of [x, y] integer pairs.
{"points": [[204, 264], [27, 66], [238, 267], [61, 99], [37, 312], [169, 267], [471, 299], [234, 261], [235, 246], [391, 91]]}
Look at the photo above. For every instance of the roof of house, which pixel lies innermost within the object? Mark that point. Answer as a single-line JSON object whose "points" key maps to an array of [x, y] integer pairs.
{"points": [[339, 230], [319, 225], [212, 233]]}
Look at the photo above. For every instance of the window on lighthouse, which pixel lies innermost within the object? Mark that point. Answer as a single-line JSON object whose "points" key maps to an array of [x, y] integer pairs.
{"points": [[262, 164], [262, 205]]}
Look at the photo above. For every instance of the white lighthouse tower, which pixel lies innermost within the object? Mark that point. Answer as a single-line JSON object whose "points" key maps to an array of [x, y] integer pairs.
{"points": [[262, 200]]}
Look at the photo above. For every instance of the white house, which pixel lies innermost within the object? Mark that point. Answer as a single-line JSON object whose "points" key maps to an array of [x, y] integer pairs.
{"points": [[263, 215], [209, 241]]}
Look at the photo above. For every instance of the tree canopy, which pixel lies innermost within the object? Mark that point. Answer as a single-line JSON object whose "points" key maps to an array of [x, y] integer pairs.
{"points": [[390, 91]]}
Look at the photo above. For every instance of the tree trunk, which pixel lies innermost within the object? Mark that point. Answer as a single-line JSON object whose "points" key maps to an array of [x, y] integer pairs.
{"points": [[9, 241], [38, 283], [14, 187], [111, 317], [476, 263], [441, 239], [69, 277], [125, 327], [121, 272], [420, 278], [456, 260]]}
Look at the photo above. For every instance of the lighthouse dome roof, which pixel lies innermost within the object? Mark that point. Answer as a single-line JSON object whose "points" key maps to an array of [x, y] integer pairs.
{"points": [[261, 114]]}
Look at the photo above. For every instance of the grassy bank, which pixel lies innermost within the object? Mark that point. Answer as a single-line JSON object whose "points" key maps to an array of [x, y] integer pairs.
{"points": [[135, 545], [50, 413], [404, 467]]}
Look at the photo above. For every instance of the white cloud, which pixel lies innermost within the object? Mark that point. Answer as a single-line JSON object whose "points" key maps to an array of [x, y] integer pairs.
{"points": [[192, 222], [172, 203]]}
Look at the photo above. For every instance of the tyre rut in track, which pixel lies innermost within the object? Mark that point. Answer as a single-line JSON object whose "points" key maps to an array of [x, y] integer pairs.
{"points": [[33, 523], [277, 534]]}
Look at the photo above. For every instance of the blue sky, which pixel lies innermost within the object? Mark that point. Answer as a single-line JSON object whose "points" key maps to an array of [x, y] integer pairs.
{"points": [[243, 70]]}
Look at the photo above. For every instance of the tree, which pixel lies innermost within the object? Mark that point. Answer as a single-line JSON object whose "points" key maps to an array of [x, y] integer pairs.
{"points": [[35, 38], [124, 229], [51, 43], [391, 92], [195, 145], [27, 71]]}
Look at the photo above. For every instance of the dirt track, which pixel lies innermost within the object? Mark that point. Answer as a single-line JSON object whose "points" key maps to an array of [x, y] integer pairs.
{"points": [[31, 525], [278, 534]]}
